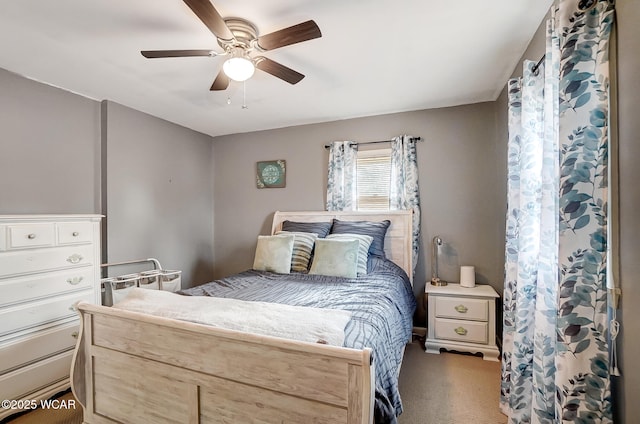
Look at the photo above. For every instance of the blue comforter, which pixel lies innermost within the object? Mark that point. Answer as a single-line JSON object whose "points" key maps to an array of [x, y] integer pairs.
{"points": [[382, 306]]}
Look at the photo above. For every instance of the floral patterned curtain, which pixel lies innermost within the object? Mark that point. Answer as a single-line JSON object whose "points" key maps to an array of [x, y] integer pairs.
{"points": [[555, 361], [341, 183], [404, 193]]}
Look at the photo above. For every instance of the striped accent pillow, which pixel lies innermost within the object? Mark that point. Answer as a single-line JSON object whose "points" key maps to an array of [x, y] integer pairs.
{"points": [[364, 242], [320, 228], [302, 248]]}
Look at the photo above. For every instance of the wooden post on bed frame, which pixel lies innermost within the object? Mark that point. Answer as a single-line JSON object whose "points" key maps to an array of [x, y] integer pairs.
{"points": [[136, 368]]}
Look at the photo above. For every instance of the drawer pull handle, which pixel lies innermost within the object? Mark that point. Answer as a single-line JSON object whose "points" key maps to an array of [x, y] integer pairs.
{"points": [[461, 331], [74, 334], [73, 308], [461, 309], [31, 236], [75, 234], [75, 280], [75, 258]]}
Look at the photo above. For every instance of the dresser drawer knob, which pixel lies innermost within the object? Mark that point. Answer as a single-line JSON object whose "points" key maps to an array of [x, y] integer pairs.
{"points": [[461, 331], [74, 334], [75, 234], [75, 280], [75, 258], [461, 309], [31, 236]]}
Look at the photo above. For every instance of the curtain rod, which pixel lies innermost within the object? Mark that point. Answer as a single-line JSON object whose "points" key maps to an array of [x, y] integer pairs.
{"points": [[326, 146], [537, 65]]}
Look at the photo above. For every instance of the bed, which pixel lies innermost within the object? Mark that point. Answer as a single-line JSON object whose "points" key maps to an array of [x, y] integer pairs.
{"points": [[189, 372]]}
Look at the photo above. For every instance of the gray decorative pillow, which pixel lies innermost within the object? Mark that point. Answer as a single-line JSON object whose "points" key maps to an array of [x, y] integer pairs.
{"points": [[363, 248], [320, 228], [273, 253], [377, 230], [337, 258], [302, 248]]}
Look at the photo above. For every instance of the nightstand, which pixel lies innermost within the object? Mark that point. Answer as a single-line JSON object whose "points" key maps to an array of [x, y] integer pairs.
{"points": [[462, 319]]}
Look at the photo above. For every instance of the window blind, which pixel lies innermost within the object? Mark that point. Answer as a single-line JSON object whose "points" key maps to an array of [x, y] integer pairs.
{"points": [[373, 169]]}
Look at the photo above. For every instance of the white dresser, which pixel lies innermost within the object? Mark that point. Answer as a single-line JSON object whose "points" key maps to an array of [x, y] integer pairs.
{"points": [[462, 319], [47, 264]]}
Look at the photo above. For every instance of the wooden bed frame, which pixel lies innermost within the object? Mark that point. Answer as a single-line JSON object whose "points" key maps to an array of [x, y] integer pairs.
{"points": [[137, 368]]}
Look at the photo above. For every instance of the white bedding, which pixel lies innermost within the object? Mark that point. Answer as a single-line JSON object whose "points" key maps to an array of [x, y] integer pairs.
{"points": [[313, 325]]}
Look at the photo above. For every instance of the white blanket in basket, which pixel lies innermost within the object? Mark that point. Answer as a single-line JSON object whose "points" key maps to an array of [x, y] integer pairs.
{"points": [[308, 324]]}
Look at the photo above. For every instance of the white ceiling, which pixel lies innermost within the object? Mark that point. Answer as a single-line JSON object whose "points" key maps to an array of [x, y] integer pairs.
{"points": [[374, 57]]}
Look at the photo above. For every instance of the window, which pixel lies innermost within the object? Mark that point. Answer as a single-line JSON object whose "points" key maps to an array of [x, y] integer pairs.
{"points": [[373, 173]]}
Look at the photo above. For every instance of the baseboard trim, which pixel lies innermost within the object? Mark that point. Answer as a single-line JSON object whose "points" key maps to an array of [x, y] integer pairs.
{"points": [[420, 331]]}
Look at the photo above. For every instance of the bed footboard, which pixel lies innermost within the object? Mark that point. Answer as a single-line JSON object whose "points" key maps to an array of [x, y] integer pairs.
{"points": [[136, 368]]}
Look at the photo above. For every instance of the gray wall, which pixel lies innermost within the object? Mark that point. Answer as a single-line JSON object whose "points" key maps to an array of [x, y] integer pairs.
{"points": [[158, 176], [159, 189], [49, 149], [625, 388], [628, 387], [459, 167]]}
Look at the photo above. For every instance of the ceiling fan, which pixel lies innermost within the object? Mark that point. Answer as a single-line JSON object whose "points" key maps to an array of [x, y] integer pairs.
{"points": [[240, 40]]}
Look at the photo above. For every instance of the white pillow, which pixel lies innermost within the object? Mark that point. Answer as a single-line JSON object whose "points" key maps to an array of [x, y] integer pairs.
{"points": [[337, 258], [363, 251], [273, 253], [302, 248]]}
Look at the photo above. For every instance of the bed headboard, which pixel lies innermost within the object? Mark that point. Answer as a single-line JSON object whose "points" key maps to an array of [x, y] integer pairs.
{"points": [[397, 243]]}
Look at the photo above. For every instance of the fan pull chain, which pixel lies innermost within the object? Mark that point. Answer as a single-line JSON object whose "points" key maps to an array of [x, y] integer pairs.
{"points": [[244, 95]]}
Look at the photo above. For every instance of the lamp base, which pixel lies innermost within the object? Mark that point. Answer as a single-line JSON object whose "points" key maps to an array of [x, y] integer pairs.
{"points": [[438, 282]]}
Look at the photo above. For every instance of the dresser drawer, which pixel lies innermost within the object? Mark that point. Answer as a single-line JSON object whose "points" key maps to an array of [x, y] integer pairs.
{"points": [[74, 232], [21, 382], [30, 287], [462, 308], [465, 331], [41, 260], [38, 345], [31, 235], [32, 314]]}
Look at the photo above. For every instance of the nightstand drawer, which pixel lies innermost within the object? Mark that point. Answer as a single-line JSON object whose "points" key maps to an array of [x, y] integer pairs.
{"points": [[462, 308], [465, 331]]}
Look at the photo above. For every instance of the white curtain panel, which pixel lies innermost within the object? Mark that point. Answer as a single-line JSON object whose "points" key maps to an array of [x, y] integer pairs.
{"points": [[342, 183], [555, 361], [404, 192]]}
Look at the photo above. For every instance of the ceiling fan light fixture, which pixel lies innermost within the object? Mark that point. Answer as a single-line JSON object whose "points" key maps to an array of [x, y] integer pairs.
{"points": [[239, 68]]}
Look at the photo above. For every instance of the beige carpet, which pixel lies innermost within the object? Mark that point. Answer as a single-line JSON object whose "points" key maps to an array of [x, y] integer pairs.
{"points": [[50, 416], [449, 388]]}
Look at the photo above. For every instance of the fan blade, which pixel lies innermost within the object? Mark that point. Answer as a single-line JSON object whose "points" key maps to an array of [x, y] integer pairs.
{"points": [[221, 82], [155, 54], [278, 70], [211, 18], [287, 36]]}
